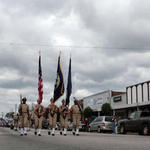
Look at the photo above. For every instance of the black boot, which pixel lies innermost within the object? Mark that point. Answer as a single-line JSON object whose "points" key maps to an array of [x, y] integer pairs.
{"points": [[49, 133]]}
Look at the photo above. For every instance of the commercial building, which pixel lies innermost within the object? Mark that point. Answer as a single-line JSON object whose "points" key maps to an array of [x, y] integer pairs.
{"points": [[136, 97], [96, 101]]}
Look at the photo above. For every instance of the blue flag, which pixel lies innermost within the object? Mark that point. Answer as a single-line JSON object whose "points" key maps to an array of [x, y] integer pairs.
{"points": [[59, 85], [69, 85]]}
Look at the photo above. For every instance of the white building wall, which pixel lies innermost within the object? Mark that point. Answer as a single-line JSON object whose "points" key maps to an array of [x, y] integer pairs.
{"points": [[129, 95], [139, 93], [119, 104], [134, 95], [145, 92], [96, 101]]}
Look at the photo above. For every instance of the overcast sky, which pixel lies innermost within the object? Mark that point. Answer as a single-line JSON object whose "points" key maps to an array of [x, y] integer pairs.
{"points": [[109, 42]]}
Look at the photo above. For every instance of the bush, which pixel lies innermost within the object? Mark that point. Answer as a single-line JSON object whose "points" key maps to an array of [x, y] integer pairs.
{"points": [[87, 112], [106, 109]]}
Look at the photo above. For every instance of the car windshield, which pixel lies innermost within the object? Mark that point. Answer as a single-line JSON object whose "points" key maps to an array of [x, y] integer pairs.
{"points": [[109, 118], [132, 115], [145, 114], [98, 119]]}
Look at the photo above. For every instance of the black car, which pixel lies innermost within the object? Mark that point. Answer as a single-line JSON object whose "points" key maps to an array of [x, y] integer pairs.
{"points": [[136, 122], [45, 124]]}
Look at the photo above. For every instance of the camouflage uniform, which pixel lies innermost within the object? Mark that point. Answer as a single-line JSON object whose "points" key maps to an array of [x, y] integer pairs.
{"points": [[76, 111], [24, 115], [64, 114], [38, 118], [52, 116], [16, 120]]}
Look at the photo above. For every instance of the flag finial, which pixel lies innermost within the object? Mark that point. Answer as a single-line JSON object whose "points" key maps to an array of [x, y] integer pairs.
{"points": [[59, 53], [70, 54], [39, 52]]}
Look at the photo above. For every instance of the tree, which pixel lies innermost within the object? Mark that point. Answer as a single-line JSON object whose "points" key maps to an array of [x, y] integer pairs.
{"points": [[106, 109], [87, 112]]}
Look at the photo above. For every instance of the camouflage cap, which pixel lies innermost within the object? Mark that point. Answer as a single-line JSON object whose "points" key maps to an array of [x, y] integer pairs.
{"points": [[63, 100], [24, 99]]}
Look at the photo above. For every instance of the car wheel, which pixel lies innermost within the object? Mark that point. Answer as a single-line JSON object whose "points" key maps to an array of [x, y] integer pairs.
{"points": [[89, 129], [145, 130], [122, 129], [99, 130]]}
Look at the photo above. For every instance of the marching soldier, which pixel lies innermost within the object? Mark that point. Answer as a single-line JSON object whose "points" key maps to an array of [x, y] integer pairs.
{"points": [[29, 122], [52, 115], [63, 110], [16, 120], [24, 115], [76, 111], [19, 121], [38, 117]]}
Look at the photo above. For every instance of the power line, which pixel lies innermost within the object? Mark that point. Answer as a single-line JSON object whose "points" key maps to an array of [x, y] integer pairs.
{"points": [[73, 46]]}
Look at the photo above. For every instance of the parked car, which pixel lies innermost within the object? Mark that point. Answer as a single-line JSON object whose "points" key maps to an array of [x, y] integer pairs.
{"points": [[136, 122], [45, 124], [58, 126], [3, 123], [10, 123], [101, 124], [81, 127]]}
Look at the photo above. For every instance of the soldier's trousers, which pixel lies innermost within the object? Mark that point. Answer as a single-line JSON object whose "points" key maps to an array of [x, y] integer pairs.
{"points": [[16, 123], [76, 120], [64, 121], [38, 122], [19, 122], [52, 120], [29, 123], [24, 120]]}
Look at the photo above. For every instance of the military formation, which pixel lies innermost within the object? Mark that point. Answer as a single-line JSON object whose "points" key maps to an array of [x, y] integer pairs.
{"points": [[26, 119]]}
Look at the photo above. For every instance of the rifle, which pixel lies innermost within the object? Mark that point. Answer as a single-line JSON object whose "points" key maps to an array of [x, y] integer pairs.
{"points": [[20, 107]]}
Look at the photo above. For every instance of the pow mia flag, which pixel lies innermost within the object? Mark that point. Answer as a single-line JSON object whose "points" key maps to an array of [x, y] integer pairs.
{"points": [[59, 85]]}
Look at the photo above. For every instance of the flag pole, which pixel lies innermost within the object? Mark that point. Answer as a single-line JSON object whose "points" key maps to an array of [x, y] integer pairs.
{"points": [[69, 84], [39, 52], [20, 98]]}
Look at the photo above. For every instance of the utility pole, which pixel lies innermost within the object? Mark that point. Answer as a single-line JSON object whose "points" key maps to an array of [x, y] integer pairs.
{"points": [[20, 98], [15, 108], [2, 115]]}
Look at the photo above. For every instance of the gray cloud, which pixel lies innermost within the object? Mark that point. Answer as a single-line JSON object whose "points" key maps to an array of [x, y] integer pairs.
{"points": [[119, 31]]}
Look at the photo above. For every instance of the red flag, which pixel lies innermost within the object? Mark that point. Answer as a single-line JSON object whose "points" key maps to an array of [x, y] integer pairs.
{"points": [[40, 83]]}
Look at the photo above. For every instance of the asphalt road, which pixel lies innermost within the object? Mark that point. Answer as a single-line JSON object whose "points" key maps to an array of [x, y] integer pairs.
{"points": [[11, 140]]}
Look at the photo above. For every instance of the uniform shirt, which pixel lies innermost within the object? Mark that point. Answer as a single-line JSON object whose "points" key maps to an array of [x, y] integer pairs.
{"points": [[23, 108], [75, 109], [61, 110], [16, 117], [39, 112], [52, 109]]}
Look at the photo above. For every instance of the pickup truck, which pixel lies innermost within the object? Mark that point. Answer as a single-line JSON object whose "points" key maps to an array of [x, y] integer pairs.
{"points": [[136, 122]]}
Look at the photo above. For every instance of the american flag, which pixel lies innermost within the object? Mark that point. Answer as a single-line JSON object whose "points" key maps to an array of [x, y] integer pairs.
{"points": [[40, 83]]}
